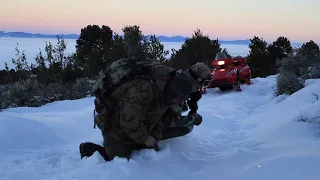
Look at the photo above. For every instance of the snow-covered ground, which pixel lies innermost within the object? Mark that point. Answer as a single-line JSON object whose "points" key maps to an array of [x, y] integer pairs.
{"points": [[248, 135]]}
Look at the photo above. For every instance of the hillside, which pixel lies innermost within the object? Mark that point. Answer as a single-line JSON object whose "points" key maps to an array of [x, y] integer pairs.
{"points": [[246, 135]]}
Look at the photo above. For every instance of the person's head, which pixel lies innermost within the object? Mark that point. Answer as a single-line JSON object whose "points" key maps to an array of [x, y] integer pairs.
{"points": [[177, 89], [199, 76], [221, 55]]}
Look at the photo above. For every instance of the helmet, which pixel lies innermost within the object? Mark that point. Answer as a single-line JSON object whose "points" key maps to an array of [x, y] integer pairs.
{"points": [[201, 73], [221, 55], [201, 70]]}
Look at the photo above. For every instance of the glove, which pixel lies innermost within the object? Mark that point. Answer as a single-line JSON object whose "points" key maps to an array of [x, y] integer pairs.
{"points": [[196, 118], [193, 106], [193, 102], [150, 142], [195, 96]]}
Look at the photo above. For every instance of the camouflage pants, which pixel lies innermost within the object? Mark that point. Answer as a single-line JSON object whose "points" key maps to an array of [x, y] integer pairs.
{"points": [[175, 125], [179, 127]]}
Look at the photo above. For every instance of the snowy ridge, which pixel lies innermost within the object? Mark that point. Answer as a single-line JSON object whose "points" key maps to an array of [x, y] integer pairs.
{"points": [[245, 135]]}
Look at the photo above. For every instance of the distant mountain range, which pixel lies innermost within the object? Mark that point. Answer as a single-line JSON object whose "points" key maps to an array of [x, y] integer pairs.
{"points": [[76, 36]]}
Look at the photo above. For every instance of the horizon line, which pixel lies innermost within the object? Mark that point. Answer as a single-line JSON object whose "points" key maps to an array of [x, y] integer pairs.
{"points": [[112, 30], [68, 34]]}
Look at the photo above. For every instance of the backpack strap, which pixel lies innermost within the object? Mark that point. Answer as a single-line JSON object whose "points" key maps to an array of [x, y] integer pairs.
{"points": [[170, 77]]}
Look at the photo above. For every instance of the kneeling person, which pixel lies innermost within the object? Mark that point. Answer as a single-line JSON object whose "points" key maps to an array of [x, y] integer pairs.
{"points": [[136, 120]]}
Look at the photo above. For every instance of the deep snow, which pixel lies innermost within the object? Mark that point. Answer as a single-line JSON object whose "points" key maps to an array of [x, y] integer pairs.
{"points": [[247, 135]]}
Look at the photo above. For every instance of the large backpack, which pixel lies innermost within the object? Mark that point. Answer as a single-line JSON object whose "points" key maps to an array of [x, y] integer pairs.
{"points": [[119, 72]]}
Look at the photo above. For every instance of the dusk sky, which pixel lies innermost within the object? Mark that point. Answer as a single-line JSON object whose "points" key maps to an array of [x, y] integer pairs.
{"points": [[226, 19]]}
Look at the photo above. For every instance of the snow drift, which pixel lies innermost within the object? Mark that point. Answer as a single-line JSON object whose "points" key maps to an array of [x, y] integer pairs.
{"points": [[245, 135]]}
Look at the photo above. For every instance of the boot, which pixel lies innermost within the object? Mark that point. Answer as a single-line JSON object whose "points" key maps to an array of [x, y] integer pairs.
{"points": [[87, 149], [195, 118]]}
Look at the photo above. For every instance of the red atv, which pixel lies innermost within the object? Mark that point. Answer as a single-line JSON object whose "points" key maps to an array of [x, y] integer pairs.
{"points": [[229, 72]]}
